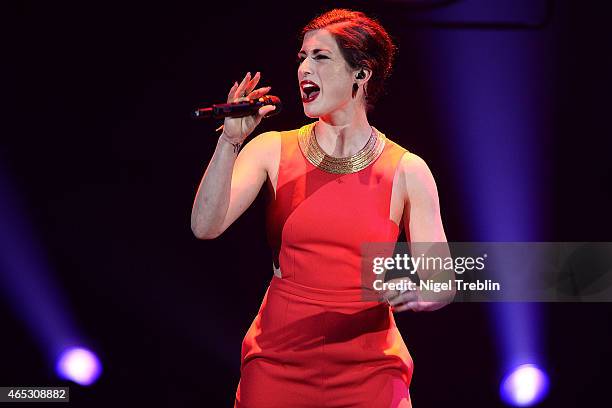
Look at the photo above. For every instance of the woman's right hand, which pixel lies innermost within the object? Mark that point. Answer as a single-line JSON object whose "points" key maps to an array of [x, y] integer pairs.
{"points": [[236, 130]]}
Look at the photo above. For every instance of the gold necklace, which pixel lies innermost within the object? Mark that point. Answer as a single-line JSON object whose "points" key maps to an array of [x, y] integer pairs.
{"points": [[339, 165]]}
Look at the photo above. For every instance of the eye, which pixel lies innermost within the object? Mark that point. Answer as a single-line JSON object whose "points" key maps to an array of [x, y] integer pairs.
{"points": [[301, 59]]}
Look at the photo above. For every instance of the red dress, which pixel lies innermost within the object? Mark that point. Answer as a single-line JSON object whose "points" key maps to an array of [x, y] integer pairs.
{"points": [[314, 341]]}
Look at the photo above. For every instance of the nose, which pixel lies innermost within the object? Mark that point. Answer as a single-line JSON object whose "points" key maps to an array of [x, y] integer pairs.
{"points": [[304, 69]]}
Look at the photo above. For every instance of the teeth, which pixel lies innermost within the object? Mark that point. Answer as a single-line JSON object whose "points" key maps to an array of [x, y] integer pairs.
{"points": [[309, 87]]}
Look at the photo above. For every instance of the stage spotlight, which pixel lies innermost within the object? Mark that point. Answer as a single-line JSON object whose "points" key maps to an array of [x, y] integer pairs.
{"points": [[524, 386], [79, 365]]}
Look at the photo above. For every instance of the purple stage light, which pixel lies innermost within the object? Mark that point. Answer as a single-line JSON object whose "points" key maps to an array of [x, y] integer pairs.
{"points": [[491, 90], [79, 365], [524, 386]]}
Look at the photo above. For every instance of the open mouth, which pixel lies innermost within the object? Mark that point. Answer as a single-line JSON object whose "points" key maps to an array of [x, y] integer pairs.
{"points": [[310, 91]]}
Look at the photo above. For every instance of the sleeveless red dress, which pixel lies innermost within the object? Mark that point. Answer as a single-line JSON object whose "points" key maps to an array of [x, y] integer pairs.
{"points": [[314, 341]]}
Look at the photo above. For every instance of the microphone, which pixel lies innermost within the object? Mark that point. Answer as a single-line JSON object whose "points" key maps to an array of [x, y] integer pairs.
{"points": [[239, 109]]}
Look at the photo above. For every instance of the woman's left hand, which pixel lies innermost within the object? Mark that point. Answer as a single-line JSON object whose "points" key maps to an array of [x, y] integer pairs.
{"points": [[410, 299]]}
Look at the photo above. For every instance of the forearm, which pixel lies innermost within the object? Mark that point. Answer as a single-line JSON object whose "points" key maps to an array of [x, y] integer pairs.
{"points": [[437, 274], [212, 198]]}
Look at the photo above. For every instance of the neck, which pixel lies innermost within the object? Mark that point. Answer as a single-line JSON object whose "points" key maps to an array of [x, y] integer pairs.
{"points": [[343, 135]]}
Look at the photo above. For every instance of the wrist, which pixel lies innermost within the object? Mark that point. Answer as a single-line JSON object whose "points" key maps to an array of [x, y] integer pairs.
{"points": [[235, 145]]}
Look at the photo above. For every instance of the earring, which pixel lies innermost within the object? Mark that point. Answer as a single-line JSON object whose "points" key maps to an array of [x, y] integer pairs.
{"points": [[355, 87]]}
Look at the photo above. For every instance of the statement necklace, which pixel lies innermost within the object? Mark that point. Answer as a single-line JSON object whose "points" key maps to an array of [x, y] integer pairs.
{"points": [[339, 165]]}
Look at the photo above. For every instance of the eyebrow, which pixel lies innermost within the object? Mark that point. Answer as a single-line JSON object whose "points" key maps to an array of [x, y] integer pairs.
{"points": [[315, 51]]}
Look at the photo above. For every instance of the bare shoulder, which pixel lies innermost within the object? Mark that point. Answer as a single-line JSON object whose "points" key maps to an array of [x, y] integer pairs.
{"points": [[416, 175], [264, 147], [264, 142]]}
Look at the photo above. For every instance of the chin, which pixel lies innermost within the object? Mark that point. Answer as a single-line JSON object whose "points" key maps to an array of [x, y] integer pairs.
{"points": [[311, 113], [315, 111]]}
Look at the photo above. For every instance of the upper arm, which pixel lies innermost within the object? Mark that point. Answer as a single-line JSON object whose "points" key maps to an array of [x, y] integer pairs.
{"points": [[422, 220], [250, 171]]}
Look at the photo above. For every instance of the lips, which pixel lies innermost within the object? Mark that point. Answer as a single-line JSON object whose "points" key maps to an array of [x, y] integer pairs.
{"points": [[310, 91]]}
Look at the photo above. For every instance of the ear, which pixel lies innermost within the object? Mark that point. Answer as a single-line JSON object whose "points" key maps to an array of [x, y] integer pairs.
{"points": [[362, 75]]}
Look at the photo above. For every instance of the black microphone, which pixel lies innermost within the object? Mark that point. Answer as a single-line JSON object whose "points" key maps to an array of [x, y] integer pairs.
{"points": [[239, 109]]}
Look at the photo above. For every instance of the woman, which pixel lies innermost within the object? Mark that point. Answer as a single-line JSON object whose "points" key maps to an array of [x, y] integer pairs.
{"points": [[334, 184]]}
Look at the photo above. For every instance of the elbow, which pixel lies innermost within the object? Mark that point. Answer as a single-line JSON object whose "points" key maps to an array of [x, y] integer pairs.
{"points": [[451, 297], [204, 234], [200, 232]]}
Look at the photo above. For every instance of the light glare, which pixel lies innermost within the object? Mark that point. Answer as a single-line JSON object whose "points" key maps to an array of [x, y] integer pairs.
{"points": [[524, 386], [79, 365]]}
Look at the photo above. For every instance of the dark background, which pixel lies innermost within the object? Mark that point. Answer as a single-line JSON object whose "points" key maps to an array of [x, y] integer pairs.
{"points": [[99, 145]]}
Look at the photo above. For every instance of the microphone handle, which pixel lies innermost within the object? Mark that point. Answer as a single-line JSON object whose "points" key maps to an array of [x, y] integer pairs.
{"points": [[231, 110]]}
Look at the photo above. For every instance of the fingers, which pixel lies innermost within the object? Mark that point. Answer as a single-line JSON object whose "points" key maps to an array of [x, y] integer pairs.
{"points": [[252, 83], [245, 88], [240, 90], [232, 91], [258, 93], [404, 297], [264, 110], [247, 85], [387, 295], [406, 306]]}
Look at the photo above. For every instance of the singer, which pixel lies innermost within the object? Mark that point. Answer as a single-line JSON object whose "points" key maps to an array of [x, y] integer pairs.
{"points": [[333, 184]]}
